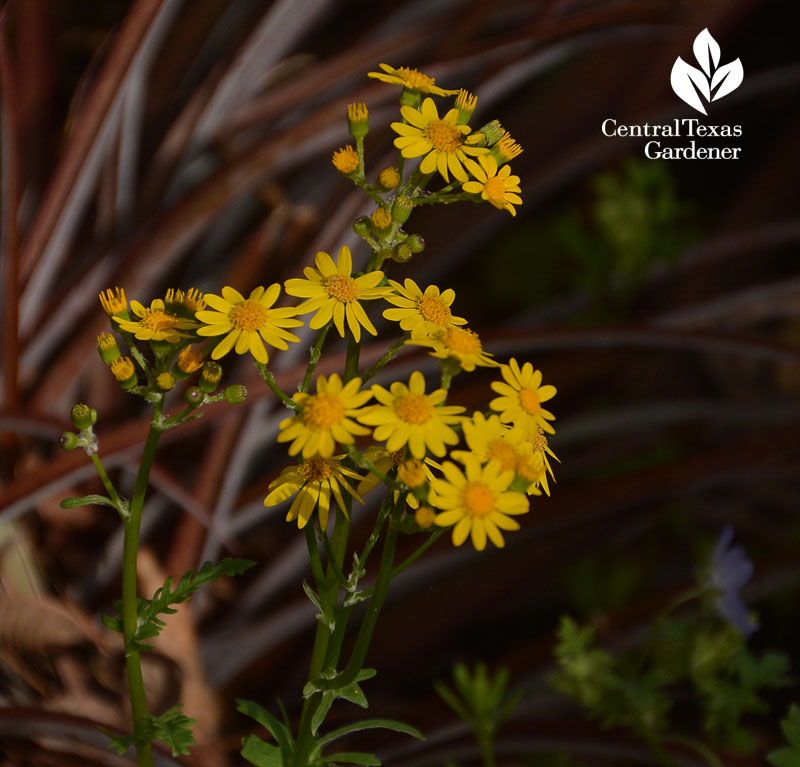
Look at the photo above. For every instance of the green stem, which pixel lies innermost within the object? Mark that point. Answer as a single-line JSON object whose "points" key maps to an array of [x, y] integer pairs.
{"points": [[108, 485], [487, 752], [390, 354], [133, 664], [351, 361], [315, 354], [269, 379]]}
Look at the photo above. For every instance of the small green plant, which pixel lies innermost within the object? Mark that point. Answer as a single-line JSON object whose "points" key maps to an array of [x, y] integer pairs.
{"points": [[482, 702]]}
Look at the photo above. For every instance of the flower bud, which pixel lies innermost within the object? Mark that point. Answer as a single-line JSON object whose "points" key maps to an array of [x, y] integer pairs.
{"points": [[506, 149], [187, 362], [124, 372], [410, 97], [401, 209], [114, 302], [165, 381], [361, 226], [492, 132], [412, 473], [69, 440], [193, 396], [210, 377], [83, 416], [402, 253], [108, 348], [358, 120], [416, 243], [389, 178], [465, 104], [235, 394], [381, 219], [424, 516], [345, 160]]}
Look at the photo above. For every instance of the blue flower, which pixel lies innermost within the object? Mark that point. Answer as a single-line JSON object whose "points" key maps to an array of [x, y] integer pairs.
{"points": [[730, 570]]}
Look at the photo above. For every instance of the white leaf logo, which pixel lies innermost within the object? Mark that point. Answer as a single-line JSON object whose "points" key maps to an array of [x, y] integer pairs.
{"points": [[712, 81]]}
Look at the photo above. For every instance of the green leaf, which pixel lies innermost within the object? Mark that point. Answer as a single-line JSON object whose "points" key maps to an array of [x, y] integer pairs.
{"points": [[371, 724], [88, 500], [149, 625], [353, 757], [791, 726], [322, 711], [323, 616], [784, 757], [452, 700], [261, 754], [173, 727], [121, 743], [277, 729]]}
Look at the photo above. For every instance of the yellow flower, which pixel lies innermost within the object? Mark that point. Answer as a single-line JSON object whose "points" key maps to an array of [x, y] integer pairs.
{"points": [[411, 79], [462, 344], [114, 302], [489, 439], [506, 149], [389, 178], [381, 218], [476, 502], [408, 416], [312, 482], [443, 142], [178, 301], [383, 461], [425, 516], [325, 418], [248, 322], [345, 160], [521, 398], [333, 293], [535, 463], [499, 188], [189, 361], [155, 323], [415, 307]]}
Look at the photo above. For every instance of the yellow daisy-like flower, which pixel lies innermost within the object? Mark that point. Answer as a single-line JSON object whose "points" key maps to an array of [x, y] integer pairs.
{"points": [[345, 160], [408, 416], [443, 142], [476, 502], [325, 418], [114, 302], [535, 463], [313, 483], [461, 344], [409, 78], [521, 398], [489, 439], [248, 322], [415, 307], [500, 188], [333, 293], [155, 323]]}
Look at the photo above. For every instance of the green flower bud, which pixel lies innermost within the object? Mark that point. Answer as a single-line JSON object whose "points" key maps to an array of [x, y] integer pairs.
{"points": [[193, 396], [358, 120], [361, 226], [401, 209], [165, 381], [402, 253], [416, 243], [410, 97], [69, 440], [108, 348], [83, 416], [236, 394], [210, 377], [381, 220]]}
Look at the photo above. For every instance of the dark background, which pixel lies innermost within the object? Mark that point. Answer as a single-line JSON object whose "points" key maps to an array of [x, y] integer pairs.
{"points": [[661, 298]]}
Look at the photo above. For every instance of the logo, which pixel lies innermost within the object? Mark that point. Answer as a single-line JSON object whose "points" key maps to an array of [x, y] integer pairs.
{"points": [[712, 82]]}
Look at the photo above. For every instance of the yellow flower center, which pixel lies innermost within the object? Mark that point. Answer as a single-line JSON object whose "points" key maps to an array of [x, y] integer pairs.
{"points": [[529, 401], [462, 341], [434, 309], [479, 499], [122, 369], [381, 218], [444, 136], [413, 408], [158, 320], [345, 160], [317, 469], [341, 288], [414, 79], [503, 452], [495, 190], [539, 442], [323, 411], [248, 315]]}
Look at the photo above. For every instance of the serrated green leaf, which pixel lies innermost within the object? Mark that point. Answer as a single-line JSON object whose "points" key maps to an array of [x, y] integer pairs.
{"points": [[173, 727], [370, 724], [121, 743], [784, 757], [261, 754], [353, 757], [115, 624]]}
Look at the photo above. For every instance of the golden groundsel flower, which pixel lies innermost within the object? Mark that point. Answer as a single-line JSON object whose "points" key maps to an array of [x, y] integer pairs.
{"points": [[248, 322], [409, 78]]}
